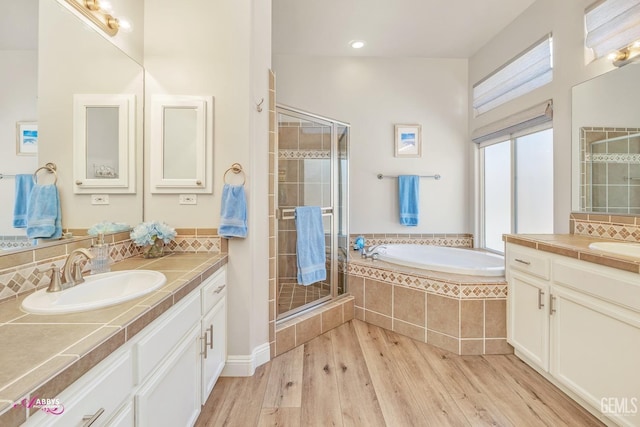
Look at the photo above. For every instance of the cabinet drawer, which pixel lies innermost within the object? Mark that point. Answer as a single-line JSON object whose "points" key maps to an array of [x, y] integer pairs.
{"points": [[100, 392], [618, 287], [164, 334], [213, 289], [528, 260]]}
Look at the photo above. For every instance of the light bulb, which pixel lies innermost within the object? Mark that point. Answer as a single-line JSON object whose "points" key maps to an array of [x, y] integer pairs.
{"points": [[356, 44]]}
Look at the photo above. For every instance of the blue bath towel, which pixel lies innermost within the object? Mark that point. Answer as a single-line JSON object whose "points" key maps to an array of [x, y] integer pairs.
{"points": [[408, 191], [24, 185], [310, 245], [233, 212], [44, 219]]}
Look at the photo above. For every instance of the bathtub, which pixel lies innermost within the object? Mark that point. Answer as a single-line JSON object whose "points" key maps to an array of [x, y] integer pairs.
{"points": [[443, 258]]}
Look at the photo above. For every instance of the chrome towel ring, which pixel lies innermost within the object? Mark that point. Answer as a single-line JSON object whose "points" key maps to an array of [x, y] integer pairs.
{"points": [[236, 168], [51, 168]]}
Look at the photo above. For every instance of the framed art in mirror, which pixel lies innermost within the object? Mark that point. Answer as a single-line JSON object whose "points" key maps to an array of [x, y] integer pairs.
{"points": [[27, 138]]}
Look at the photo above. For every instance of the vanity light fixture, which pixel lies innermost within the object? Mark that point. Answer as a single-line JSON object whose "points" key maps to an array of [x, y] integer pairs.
{"points": [[94, 11], [626, 55], [357, 44]]}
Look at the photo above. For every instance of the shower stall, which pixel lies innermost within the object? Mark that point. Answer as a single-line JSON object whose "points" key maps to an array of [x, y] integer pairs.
{"points": [[312, 170]]}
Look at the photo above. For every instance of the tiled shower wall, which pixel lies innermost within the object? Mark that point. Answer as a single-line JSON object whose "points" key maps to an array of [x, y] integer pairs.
{"points": [[610, 170]]}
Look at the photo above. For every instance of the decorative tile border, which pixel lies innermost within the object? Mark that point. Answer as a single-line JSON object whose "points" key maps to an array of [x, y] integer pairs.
{"points": [[437, 286], [612, 157], [304, 154], [453, 240], [625, 228]]}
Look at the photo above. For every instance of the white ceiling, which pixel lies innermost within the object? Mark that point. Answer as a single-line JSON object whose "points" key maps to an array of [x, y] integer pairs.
{"points": [[391, 28]]}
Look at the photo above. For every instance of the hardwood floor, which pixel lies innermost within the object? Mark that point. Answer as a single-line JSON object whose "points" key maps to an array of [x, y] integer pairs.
{"points": [[361, 375]]}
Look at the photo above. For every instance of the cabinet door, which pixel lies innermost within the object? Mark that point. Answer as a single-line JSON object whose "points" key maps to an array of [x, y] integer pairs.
{"points": [[528, 318], [171, 396], [124, 417], [214, 326], [594, 352]]}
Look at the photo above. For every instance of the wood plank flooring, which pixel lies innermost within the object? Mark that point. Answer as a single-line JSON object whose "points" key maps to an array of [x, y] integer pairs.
{"points": [[360, 375]]}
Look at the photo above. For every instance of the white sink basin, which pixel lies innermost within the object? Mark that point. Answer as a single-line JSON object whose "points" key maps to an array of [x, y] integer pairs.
{"points": [[618, 248], [101, 290]]}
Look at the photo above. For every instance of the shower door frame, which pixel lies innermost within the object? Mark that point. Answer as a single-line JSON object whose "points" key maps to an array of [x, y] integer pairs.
{"points": [[335, 159]]}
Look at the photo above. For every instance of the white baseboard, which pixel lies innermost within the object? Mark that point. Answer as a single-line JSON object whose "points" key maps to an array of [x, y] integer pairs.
{"points": [[245, 366]]}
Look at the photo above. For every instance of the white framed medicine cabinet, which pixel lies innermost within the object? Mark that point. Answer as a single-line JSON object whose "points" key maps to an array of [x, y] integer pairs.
{"points": [[181, 152], [104, 143]]}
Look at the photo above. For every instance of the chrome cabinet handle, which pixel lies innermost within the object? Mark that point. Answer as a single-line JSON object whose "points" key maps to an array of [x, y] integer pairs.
{"points": [[90, 419], [553, 305], [219, 289], [521, 261], [540, 299], [207, 342], [211, 335]]}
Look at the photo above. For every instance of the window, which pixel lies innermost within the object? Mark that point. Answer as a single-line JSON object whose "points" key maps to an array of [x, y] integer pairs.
{"points": [[517, 187], [528, 71]]}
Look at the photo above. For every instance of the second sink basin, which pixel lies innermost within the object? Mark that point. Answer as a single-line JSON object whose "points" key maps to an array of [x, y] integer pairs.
{"points": [[101, 290], [618, 248]]}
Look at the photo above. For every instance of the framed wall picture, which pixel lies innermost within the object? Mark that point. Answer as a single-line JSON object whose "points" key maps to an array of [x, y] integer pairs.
{"points": [[408, 140], [27, 138]]}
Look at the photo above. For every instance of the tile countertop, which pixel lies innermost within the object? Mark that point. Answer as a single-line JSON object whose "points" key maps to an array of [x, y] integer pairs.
{"points": [[43, 354], [575, 246]]}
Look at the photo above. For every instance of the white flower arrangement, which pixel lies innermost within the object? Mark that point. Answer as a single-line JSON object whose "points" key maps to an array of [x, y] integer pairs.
{"points": [[146, 233]]}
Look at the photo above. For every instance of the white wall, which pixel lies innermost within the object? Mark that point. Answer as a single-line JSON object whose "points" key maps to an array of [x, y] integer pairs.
{"points": [[19, 87], [198, 47], [373, 94], [565, 19]]}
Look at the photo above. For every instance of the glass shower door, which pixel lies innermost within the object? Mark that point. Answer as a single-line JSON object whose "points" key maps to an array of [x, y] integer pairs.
{"points": [[305, 174]]}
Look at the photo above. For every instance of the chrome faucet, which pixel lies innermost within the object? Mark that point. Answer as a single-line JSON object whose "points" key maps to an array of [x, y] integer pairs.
{"points": [[72, 268], [372, 251]]}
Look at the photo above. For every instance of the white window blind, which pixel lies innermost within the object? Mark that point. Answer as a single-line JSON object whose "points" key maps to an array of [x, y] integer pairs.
{"points": [[528, 71], [612, 25], [516, 124]]}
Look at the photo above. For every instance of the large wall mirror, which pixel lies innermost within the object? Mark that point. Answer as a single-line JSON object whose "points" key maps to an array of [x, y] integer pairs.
{"points": [[606, 143], [53, 55]]}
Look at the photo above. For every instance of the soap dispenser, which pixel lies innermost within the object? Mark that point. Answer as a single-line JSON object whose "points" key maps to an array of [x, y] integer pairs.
{"points": [[100, 261]]}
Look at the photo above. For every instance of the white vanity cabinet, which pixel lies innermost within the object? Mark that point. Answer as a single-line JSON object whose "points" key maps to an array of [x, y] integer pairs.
{"points": [[160, 377], [527, 305], [580, 327], [214, 331]]}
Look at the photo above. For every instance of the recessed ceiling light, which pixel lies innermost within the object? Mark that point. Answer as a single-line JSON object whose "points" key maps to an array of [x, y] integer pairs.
{"points": [[356, 44]]}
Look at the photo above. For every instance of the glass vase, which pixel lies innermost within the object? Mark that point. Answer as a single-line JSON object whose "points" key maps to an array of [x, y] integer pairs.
{"points": [[155, 250]]}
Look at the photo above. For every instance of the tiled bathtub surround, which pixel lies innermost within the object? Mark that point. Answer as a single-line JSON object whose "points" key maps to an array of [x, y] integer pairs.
{"points": [[450, 239], [18, 270], [461, 314], [617, 227]]}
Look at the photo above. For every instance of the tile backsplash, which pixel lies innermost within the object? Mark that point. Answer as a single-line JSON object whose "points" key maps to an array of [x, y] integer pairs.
{"points": [[617, 227], [19, 271]]}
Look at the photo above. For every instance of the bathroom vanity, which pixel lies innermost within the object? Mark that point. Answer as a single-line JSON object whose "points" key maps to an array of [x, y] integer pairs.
{"points": [[573, 314], [152, 361]]}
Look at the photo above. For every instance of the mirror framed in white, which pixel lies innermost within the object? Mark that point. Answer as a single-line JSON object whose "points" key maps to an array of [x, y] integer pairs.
{"points": [[181, 155], [104, 143]]}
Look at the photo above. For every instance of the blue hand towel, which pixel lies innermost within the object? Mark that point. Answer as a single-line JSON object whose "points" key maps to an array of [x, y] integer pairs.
{"points": [[24, 185], [310, 245], [44, 219], [408, 190], [233, 212]]}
